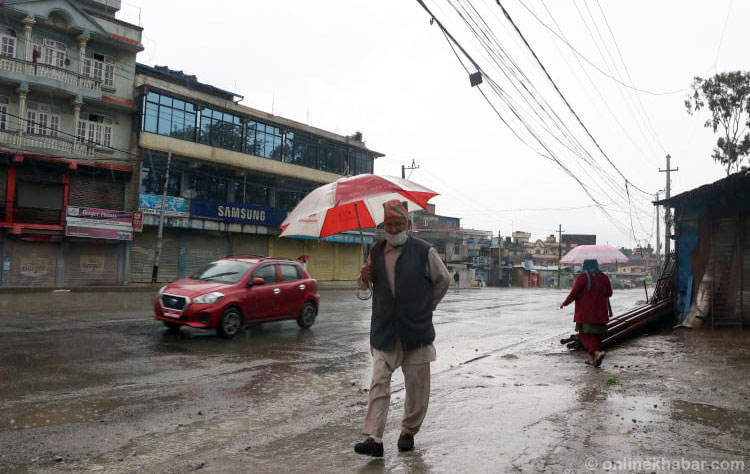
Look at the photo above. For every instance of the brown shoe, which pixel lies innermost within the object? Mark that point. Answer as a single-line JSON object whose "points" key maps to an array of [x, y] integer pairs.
{"points": [[370, 448], [405, 442]]}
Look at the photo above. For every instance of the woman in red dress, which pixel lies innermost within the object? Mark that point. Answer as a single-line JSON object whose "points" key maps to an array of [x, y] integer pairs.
{"points": [[591, 292]]}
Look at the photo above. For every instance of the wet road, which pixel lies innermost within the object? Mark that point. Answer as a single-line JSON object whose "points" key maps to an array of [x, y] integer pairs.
{"points": [[111, 390]]}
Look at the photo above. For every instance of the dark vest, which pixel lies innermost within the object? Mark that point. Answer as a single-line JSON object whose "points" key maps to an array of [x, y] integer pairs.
{"points": [[409, 313]]}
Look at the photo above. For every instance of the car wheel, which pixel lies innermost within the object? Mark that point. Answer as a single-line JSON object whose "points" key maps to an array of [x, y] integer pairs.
{"points": [[229, 324], [307, 315], [172, 327]]}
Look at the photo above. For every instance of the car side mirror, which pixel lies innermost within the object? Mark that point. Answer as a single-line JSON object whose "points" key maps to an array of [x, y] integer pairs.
{"points": [[257, 281]]}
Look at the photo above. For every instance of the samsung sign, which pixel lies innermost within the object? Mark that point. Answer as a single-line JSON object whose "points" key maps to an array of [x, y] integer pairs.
{"points": [[236, 213]]}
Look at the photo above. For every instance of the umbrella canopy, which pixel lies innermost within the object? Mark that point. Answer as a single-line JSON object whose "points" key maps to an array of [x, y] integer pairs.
{"points": [[600, 253], [351, 203]]}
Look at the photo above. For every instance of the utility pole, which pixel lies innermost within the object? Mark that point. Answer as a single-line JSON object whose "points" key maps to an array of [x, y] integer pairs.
{"points": [[159, 233], [658, 238], [668, 210], [413, 166], [559, 254]]}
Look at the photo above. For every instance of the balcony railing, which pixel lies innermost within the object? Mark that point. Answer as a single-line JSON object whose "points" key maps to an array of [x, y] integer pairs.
{"points": [[15, 139], [51, 72]]}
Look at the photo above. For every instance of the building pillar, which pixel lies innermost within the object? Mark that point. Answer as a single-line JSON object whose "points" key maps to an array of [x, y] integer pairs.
{"points": [[83, 40], [77, 103], [28, 24], [23, 93]]}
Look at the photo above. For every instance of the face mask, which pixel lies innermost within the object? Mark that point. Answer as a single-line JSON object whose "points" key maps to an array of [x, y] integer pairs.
{"points": [[396, 240]]}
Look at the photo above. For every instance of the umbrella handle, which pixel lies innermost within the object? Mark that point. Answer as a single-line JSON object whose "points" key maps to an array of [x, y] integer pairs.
{"points": [[363, 294]]}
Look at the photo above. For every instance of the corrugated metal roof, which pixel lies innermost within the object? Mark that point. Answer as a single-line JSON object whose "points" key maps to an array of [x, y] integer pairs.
{"points": [[729, 184]]}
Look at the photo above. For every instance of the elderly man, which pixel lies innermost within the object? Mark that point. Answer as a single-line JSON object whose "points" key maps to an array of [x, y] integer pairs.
{"points": [[409, 280]]}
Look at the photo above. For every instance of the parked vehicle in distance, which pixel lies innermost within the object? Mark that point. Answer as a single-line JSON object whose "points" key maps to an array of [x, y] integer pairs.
{"points": [[234, 291]]}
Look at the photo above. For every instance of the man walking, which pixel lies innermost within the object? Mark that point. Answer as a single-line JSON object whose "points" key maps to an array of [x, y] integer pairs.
{"points": [[409, 280]]}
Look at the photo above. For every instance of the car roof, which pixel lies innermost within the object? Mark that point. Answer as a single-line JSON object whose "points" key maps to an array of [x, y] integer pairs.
{"points": [[256, 258]]}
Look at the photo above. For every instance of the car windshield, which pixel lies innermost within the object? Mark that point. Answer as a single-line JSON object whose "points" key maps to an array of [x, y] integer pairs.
{"points": [[223, 271]]}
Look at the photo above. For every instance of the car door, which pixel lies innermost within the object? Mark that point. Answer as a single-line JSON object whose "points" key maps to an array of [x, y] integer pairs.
{"points": [[263, 300], [292, 289]]}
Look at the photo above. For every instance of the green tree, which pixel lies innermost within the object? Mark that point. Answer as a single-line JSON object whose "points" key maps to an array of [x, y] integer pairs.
{"points": [[727, 96]]}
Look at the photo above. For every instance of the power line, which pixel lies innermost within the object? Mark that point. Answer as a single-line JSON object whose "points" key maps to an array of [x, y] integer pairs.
{"points": [[531, 50], [578, 53], [498, 90]]}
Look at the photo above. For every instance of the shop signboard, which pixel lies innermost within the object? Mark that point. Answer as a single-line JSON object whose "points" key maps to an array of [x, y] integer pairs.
{"points": [[175, 206], [98, 223], [236, 213], [138, 221], [340, 238]]}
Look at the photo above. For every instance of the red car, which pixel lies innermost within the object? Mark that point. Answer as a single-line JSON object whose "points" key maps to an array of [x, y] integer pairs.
{"points": [[234, 291]]}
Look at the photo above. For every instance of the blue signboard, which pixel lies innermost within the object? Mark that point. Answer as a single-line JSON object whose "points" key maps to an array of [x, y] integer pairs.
{"points": [[339, 238], [175, 206], [236, 213]]}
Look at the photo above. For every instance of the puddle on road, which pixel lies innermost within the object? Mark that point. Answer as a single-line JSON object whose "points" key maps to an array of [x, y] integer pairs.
{"points": [[77, 410], [733, 421]]}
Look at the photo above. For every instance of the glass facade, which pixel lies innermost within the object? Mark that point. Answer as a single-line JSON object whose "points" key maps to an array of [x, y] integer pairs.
{"points": [[167, 115], [301, 149], [263, 140], [221, 129]]}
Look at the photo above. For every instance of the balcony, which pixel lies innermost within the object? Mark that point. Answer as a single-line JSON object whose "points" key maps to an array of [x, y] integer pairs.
{"points": [[44, 144], [55, 73]]}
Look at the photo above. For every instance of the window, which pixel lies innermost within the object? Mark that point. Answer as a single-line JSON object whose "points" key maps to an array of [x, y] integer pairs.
{"points": [[51, 52], [8, 43], [210, 187], [169, 116], [289, 272], [41, 121], [100, 67], [221, 129], [332, 158], [263, 140], [252, 190], [3, 113], [359, 162], [267, 272], [94, 129], [301, 149], [152, 178]]}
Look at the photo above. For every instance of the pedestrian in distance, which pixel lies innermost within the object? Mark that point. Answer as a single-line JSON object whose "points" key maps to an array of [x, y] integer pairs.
{"points": [[591, 292], [455, 279], [408, 281]]}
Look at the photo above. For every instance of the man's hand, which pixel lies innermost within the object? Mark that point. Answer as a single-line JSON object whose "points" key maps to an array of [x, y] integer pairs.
{"points": [[365, 274]]}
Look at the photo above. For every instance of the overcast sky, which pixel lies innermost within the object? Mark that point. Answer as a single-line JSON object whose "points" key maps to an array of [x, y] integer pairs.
{"points": [[381, 68]]}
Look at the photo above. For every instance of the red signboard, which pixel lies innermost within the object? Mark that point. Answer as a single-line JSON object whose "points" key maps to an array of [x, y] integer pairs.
{"points": [[98, 223], [138, 221]]}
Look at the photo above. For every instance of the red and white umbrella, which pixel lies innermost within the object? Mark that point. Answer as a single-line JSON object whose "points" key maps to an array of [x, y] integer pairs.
{"points": [[351, 203], [600, 253]]}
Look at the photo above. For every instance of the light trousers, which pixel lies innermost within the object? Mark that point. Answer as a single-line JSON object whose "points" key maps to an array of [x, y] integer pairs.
{"points": [[417, 384]]}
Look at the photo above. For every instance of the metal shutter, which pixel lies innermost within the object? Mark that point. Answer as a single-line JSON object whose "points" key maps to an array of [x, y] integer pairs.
{"points": [[142, 256], [97, 191], [322, 260], [288, 248], [202, 248], [33, 263], [349, 262], [243, 244], [91, 264]]}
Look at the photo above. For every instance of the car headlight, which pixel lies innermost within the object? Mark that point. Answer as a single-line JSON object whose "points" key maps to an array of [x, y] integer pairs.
{"points": [[161, 290], [209, 298]]}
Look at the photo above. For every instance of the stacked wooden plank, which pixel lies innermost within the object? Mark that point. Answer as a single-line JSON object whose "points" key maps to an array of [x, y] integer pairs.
{"points": [[627, 323]]}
